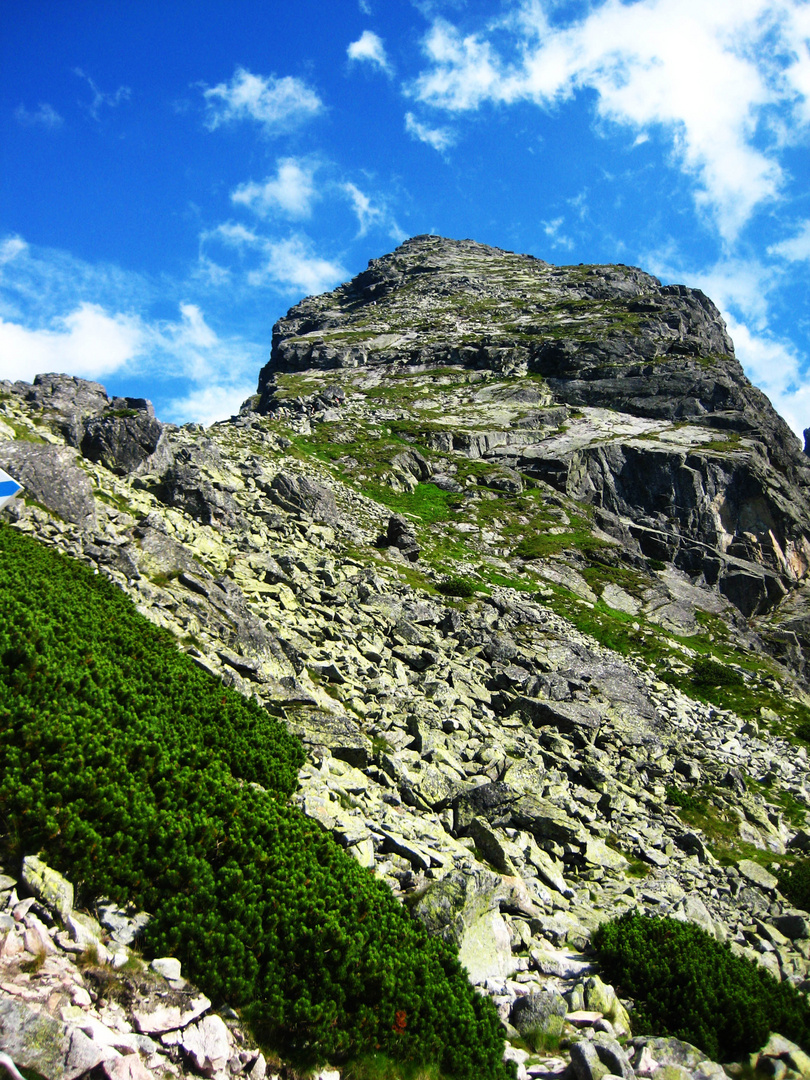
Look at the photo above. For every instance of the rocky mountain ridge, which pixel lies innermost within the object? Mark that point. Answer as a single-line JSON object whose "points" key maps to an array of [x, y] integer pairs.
{"points": [[466, 480]]}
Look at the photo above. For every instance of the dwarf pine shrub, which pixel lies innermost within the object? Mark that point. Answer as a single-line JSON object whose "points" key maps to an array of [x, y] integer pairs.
{"points": [[794, 882], [688, 985], [134, 771]]}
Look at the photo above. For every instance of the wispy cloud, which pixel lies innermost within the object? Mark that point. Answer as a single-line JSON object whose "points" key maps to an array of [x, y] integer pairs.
{"points": [[367, 213], [102, 98], [294, 265], [11, 247], [711, 76], [440, 139], [277, 104], [291, 191], [552, 229], [290, 264], [44, 116], [795, 249], [370, 49]]}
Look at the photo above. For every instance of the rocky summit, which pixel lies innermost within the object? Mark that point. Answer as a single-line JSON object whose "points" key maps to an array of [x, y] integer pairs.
{"points": [[522, 557]]}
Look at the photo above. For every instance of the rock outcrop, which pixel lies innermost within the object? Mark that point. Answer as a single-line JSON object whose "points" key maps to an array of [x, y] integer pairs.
{"points": [[711, 477]]}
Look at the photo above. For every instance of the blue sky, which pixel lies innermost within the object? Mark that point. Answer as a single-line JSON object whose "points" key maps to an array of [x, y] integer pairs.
{"points": [[174, 175]]}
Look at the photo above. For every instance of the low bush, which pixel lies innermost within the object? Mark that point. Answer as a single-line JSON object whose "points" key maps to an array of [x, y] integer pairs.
{"points": [[456, 586], [794, 882], [688, 985], [709, 672], [145, 779], [684, 800]]}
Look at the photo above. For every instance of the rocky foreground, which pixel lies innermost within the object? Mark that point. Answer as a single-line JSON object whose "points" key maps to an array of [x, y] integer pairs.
{"points": [[579, 449]]}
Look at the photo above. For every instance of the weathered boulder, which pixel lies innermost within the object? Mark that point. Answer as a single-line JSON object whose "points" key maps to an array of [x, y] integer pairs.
{"points": [[126, 438], [186, 487], [55, 891], [463, 908], [34, 1040], [539, 1013], [52, 476], [65, 400], [300, 495]]}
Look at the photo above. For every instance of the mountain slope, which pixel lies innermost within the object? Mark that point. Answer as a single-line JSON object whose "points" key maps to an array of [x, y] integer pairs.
{"points": [[521, 555]]}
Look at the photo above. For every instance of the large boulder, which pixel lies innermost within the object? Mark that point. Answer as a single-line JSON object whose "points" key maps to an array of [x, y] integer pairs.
{"points": [[65, 401], [463, 909], [34, 1040], [126, 438], [302, 496], [51, 475]]}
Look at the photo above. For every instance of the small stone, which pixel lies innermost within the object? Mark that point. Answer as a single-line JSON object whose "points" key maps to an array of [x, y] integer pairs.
{"points": [[167, 966]]}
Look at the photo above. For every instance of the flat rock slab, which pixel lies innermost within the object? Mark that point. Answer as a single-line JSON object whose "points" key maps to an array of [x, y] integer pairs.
{"points": [[757, 875], [176, 1011]]}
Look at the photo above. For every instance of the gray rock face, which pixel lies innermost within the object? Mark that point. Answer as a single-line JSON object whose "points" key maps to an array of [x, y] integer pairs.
{"points": [[51, 475], [66, 400]]}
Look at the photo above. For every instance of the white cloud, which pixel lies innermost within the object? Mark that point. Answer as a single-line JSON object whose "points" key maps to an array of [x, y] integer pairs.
{"points": [[276, 104], [292, 264], [208, 404], [552, 231], [710, 74], [291, 191], [234, 235], [45, 116], [741, 285], [439, 138], [369, 48], [11, 247], [101, 97], [211, 273], [774, 367], [88, 342], [797, 249], [367, 213]]}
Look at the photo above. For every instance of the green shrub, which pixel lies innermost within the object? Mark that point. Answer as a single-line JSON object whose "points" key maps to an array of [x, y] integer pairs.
{"points": [[794, 882], [145, 779], [683, 799], [803, 731], [708, 672], [688, 985], [456, 586]]}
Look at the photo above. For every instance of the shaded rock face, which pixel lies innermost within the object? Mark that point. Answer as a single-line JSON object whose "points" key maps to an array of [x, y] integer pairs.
{"points": [[126, 437], [724, 493]]}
